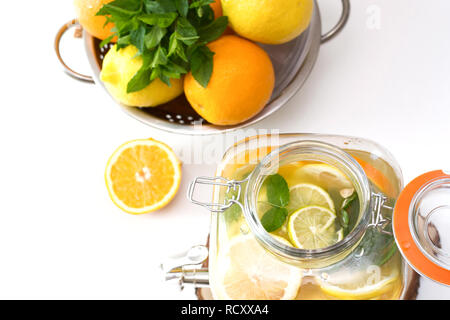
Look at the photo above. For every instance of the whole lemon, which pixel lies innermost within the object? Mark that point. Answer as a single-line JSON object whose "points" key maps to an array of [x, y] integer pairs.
{"points": [[241, 84], [119, 67], [268, 21]]}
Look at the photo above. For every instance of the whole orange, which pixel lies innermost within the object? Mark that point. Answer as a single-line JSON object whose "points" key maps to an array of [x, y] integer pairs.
{"points": [[217, 8], [95, 25], [240, 86]]}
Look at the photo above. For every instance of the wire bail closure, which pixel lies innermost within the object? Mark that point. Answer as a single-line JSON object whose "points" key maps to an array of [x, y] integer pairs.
{"points": [[234, 189], [378, 220]]}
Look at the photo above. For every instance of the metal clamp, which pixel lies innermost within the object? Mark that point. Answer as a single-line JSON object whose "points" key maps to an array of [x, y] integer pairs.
{"points": [[341, 23], [233, 190], [378, 220], [67, 69]]}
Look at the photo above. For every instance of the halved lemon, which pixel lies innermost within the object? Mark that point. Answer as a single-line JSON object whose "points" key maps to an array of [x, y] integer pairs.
{"points": [[325, 175], [372, 284], [249, 272], [313, 228], [306, 194], [142, 176]]}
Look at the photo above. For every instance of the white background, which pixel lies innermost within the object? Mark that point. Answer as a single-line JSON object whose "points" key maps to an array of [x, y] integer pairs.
{"points": [[62, 237]]}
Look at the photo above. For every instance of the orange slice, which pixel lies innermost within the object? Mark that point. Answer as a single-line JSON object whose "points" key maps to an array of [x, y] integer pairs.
{"points": [[377, 178], [251, 273], [142, 176]]}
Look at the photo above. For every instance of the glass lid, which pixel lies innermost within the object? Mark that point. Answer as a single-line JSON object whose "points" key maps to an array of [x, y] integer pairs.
{"points": [[422, 225]]}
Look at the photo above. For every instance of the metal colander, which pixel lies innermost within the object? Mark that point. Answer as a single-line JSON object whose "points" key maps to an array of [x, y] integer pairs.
{"points": [[292, 62]]}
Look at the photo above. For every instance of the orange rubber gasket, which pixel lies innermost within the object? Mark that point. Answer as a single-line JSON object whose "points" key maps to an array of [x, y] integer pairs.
{"points": [[403, 235]]}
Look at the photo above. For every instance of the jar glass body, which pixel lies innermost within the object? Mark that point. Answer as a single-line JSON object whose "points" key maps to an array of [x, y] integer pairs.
{"points": [[360, 264]]}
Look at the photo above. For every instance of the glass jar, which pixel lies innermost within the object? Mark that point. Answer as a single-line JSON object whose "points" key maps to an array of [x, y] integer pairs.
{"points": [[247, 262]]}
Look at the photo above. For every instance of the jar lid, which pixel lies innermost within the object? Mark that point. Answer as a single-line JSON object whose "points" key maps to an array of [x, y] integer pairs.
{"points": [[421, 224]]}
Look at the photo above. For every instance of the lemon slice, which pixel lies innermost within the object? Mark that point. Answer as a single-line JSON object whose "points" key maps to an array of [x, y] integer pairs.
{"points": [[306, 194], [369, 285], [326, 175], [248, 272], [312, 228], [142, 176]]}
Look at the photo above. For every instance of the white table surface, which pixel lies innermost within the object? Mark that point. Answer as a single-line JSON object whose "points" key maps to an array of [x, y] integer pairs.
{"points": [[386, 79]]}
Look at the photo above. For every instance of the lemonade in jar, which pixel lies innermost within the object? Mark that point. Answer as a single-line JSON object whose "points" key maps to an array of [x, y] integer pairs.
{"points": [[305, 217]]}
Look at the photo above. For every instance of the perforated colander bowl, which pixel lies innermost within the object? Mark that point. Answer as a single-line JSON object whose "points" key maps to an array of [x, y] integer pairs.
{"points": [[293, 62]]}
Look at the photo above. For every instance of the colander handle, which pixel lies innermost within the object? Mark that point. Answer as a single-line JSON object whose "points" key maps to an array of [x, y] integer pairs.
{"points": [[67, 69], [341, 23]]}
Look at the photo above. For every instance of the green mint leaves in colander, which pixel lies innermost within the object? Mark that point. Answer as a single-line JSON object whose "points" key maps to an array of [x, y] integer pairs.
{"points": [[171, 36]]}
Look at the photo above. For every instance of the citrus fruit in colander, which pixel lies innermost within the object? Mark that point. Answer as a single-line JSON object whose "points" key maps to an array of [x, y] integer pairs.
{"points": [[119, 67], [268, 21], [241, 84], [95, 25]]}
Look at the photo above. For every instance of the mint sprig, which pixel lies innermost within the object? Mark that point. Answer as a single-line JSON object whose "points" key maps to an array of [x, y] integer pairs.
{"points": [[170, 35], [274, 218], [277, 190], [278, 197], [348, 213]]}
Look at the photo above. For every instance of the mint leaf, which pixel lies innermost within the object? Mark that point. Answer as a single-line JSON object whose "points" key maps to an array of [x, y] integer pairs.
{"points": [[126, 26], [174, 67], [202, 65], [164, 77], [106, 41], [277, 190], [347, 201], [214, 30], [128, 5], [186, 32], [173, 44], [344, 219], [162, 20], [201, 16], [170, 74], [123, 42], [348, 213], [140, 80], [160, 57], [274, 218], [137, 38], [173, 70], [160, 6], [182, 7], [156, 72], [201, 3], [154, 37], [181, 52], [120, 8], [170, 35]]}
